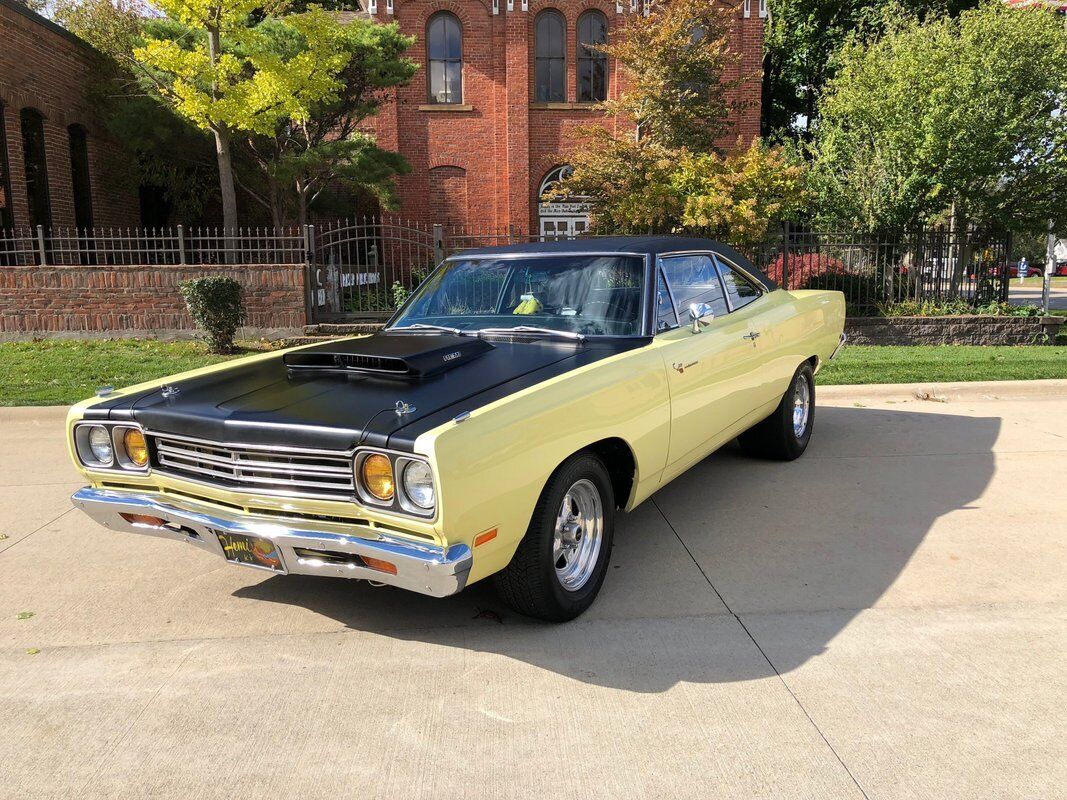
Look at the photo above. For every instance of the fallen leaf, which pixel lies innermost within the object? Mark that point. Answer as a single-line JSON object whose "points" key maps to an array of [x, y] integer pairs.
{"points": [[4, 536], [24, 615], [32, 651]]}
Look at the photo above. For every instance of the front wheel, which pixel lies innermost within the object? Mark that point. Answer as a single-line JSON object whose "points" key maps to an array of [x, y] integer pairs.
{"points": [[785, 434], [561, 562]]}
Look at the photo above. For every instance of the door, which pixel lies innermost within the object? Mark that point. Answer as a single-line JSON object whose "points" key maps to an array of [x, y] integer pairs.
{"points": [[555, 228], [768, 321], [710, 373]]}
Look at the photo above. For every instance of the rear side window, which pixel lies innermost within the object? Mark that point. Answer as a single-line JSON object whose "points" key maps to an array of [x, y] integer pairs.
{"points": [[693, 279], [739, 288]]}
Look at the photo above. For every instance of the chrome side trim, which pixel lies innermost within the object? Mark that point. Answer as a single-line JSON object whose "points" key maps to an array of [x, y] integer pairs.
{"points": [[840, 344], [424, 568]]}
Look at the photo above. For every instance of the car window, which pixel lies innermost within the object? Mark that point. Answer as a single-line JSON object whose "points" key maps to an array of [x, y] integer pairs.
{"points": [[693, 280], [739, 288], [665, 316]]}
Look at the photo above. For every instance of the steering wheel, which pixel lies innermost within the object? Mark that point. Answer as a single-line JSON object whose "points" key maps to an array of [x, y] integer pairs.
{"points": [[595, 303]]}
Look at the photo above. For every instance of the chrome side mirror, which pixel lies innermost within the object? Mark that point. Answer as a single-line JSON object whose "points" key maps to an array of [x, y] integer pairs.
{"points": [[700, 314]]}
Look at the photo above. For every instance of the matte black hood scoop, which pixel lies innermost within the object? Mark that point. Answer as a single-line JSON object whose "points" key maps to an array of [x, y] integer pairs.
{"points": [[402, 355]]}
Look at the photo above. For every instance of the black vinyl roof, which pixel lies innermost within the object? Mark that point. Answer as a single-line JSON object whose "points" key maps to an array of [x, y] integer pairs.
{"points": [[641, 245]]}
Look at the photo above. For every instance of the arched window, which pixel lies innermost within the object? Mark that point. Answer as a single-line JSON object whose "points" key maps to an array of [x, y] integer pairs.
{"points": [[36, 169], [550, 42], [79, 174], [553, 178], [592, 64], [444, 48]]}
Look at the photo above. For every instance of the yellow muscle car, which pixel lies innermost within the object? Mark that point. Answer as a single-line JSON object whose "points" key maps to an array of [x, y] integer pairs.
{"points": [[520, 397]]}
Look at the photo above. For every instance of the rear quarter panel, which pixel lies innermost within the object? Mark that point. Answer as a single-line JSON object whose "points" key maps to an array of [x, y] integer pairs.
{"points": [[796, 326]]}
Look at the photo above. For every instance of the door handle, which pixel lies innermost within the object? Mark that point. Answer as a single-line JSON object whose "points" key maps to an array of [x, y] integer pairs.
{"points": [[678, 365], [751, 336]]}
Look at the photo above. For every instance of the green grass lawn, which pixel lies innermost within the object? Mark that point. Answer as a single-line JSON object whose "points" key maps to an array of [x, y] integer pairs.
{"points": [[64, 372], [945, 363], [61, 372]]}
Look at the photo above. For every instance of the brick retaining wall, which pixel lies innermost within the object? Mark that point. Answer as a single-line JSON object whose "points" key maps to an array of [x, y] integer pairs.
{"points": [[138, 300], [952, 330]]}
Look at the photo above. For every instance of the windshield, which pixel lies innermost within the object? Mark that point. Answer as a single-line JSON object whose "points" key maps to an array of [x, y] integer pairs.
{"points": [[590, 295]]}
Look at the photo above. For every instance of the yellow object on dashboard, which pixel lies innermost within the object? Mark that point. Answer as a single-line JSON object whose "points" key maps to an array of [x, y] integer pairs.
{"points": [[529, 305]]}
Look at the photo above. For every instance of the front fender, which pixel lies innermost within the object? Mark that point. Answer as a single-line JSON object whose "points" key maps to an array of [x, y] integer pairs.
{"points": [[493, 466]]}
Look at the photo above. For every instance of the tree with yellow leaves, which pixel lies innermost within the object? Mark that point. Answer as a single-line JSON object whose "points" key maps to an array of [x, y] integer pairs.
{"points": [[671, 176], [222, 74]]}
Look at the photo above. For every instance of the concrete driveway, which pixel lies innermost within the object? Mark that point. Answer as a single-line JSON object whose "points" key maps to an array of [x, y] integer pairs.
{"points": [[886, 618]]}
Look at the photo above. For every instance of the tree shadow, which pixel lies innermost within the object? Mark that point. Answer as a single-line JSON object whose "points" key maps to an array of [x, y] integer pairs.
{"points": [[826, 535]]}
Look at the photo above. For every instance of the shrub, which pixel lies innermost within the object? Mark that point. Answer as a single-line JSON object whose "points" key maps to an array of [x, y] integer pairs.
{"points": [[216, 307], [954, 308], [861, 291], [802, 268]]}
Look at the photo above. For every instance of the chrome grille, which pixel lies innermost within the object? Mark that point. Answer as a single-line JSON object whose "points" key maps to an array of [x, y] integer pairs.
{"points": [[309, 472]]}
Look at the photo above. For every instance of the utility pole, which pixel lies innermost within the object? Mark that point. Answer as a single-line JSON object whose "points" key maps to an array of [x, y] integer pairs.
{"points": [[1050, 267]]}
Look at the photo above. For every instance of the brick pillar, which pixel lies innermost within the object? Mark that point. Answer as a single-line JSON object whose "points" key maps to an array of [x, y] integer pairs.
{"points": [[16, 166], [517, 85], [60, 185]]}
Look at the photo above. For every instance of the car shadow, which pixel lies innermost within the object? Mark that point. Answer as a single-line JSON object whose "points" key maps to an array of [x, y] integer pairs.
{"points": [[826, 536]]}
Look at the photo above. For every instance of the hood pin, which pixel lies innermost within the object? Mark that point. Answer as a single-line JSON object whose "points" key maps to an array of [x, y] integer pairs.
{"points": [[403, 408]]}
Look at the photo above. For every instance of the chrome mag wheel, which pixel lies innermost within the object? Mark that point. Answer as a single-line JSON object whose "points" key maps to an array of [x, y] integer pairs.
{"points": [[578, 535], [801, 406]]}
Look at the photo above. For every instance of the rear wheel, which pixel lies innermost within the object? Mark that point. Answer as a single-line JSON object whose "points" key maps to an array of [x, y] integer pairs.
{"points": [[785, 434], [561, 562]]}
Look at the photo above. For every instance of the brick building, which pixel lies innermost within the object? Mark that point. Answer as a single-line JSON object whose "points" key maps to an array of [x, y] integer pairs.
{"points": [[53, 156], [488, 119]]}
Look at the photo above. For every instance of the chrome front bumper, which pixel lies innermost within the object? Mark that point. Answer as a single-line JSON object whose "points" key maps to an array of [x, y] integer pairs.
{"points": [[426, 569]]}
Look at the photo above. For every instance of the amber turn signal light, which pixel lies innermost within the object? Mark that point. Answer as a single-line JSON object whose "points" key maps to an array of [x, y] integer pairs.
{"points": [[136, 447], [377, 475], [485, 536], [378, 564]]}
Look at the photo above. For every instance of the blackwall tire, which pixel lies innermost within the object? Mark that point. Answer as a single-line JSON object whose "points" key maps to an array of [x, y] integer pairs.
{"points": [[561, 562], [785, 434]]}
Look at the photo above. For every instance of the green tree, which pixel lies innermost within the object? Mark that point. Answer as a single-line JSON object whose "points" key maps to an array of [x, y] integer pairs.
{"points": [[679, 63], [671, 177], [952, 114], [223, 75], [303, 157], [803, 42], [159, 148]]}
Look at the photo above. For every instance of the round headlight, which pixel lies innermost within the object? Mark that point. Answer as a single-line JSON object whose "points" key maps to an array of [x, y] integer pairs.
{"points": [[418, 484], [377, 476], [100, 444], [136, 447]]}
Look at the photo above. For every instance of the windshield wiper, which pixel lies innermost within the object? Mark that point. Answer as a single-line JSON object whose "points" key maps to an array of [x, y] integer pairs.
{"points": [[578, 337], [427, 327]]}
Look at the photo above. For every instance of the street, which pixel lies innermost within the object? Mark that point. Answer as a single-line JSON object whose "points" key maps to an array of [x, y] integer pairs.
{"points": [[884, 618], [1029, 293]]}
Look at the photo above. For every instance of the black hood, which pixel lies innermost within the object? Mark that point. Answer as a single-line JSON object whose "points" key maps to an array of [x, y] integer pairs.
{"points": [[270, 402]]}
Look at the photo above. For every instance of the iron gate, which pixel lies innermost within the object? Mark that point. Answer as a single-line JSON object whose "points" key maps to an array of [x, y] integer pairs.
{"points": [[364, 269]]}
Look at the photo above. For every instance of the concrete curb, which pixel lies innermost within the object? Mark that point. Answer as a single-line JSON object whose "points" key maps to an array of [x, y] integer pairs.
{"points": [[33, 413], [958, 390]]}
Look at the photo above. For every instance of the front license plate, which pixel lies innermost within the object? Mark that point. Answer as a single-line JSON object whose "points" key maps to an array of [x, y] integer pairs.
{"points": [[252, 551]]}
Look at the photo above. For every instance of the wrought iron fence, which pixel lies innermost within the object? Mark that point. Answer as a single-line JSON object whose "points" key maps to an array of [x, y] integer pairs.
{"points": [[929, 264], [150, 246], [363, 268]]}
